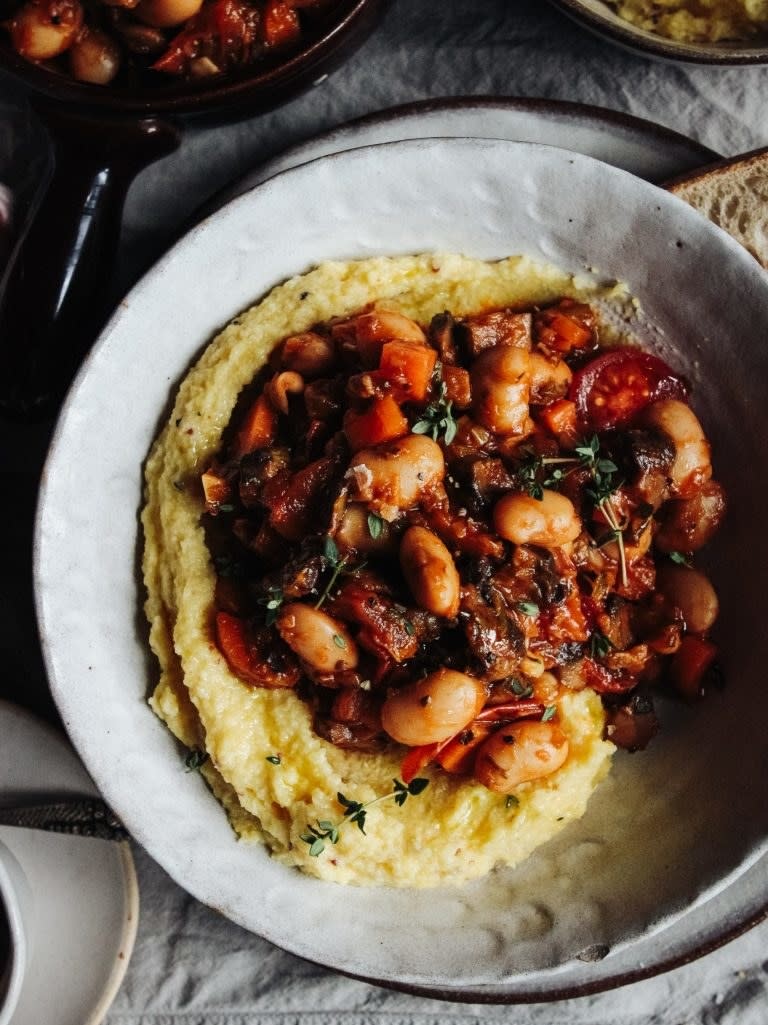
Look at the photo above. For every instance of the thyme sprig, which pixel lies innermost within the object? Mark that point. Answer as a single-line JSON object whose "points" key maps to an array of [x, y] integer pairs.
{"points": [[604, 484], [324, 831], [336, 563], [438, 418]]}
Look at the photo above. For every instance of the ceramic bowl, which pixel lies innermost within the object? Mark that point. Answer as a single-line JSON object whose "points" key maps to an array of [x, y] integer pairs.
{"points": [[670, 857], [602, 19], [16, 911]]}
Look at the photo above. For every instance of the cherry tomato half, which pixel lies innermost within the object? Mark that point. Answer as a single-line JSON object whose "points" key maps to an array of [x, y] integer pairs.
{"points": [[611, 390]]}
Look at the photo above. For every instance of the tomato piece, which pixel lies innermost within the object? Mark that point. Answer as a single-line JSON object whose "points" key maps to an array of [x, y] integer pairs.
{"points": [[224, 31], [611, 390], [281, 23], [417, 759], [251, 655], [690, 664]]}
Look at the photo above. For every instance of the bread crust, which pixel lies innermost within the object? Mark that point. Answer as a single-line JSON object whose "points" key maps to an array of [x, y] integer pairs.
{"points": [[733, 193]]}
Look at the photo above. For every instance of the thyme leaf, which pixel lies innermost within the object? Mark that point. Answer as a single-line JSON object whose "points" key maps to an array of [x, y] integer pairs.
{"points": [[680, 559], [324, 831], [438, 418], [375, 525]]}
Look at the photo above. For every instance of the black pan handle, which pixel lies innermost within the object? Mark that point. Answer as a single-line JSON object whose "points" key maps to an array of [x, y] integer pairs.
{"points": [[57, 291]]}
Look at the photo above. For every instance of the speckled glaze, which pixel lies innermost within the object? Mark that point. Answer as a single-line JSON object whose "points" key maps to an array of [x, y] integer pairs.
{"points": [[600, 18], [671, 855]]}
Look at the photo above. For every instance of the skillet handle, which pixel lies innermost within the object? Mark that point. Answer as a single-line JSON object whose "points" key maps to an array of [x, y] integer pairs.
{"points": [[57, 290]]}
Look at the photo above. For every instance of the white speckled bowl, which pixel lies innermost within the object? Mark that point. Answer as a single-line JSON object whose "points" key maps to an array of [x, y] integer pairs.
{"points": [[670, 858], [600, 18]]}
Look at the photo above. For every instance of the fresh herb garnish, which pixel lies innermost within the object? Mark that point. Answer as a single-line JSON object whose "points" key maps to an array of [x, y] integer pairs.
{"points": [[274, 759], [272, 602], [603, 487], [549, 713], [375, 525], [335, 563], [438, 418], [600, 645], [339, 641], [325, 831], [528, 608], [680, 559], [195, 759], [527, 476], [522, 690]]}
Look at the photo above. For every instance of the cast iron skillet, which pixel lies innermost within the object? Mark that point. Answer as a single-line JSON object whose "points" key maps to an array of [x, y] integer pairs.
{"points": [[54, 299]]}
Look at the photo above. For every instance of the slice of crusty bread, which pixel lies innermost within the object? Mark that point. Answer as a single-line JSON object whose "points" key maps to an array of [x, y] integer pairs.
{"points": [[734, 194]]}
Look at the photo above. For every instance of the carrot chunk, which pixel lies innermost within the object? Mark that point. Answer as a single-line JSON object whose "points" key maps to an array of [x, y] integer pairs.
{"points": [[690, 663], [559, 418], [381, 421], [259, 428], [408, 367]]}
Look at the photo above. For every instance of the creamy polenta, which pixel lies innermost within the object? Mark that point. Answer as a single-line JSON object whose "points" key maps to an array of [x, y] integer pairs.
{"points": [[697, 21], [274, 775]]}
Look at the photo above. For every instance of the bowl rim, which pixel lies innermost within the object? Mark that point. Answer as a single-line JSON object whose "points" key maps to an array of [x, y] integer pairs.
{"points": [[467, 993], [233, 90], [627, 35]]}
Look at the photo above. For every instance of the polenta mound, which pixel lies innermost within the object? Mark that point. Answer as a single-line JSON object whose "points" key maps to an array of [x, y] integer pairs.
{"points": [[273, 774]]}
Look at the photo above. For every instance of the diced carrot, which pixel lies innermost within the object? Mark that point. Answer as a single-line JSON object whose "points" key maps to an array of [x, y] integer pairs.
{"points": [[690, 663], [381, 421], [417, 759], [216, 490], [457, 386], [280, 23], [259, 428], [567, 333], [408, 367], [458, 756], [559, 417]]}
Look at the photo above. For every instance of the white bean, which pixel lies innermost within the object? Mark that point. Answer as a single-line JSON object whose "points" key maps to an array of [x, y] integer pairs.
{"points": [[309, 354], [354, 532], [519, 753], [94, 57], [433, 709], [393, 476], [431, 573], [319, 640], [692, 465], [691, 592], [41, 31], [550, 522], [549, 378], [166, 13], [501, 389]]}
